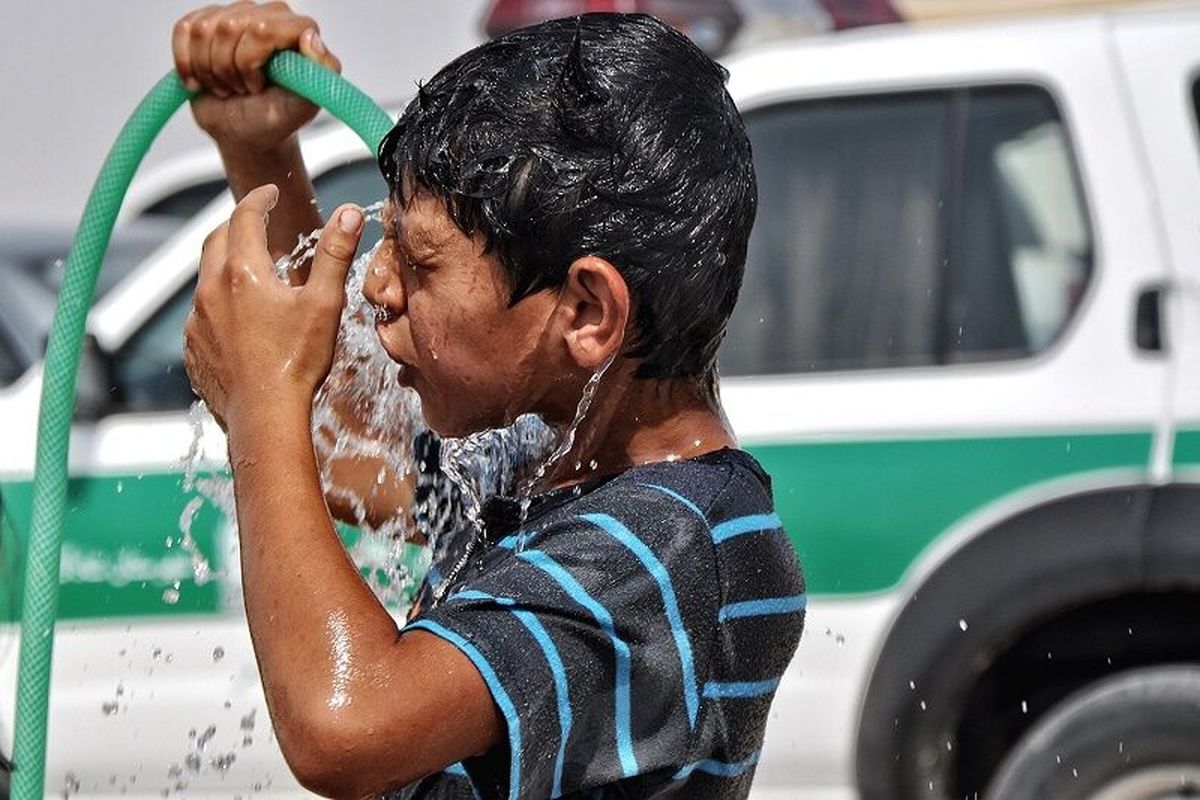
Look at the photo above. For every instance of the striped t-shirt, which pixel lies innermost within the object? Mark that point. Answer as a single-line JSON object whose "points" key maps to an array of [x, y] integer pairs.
{"points": [[632, 633]]}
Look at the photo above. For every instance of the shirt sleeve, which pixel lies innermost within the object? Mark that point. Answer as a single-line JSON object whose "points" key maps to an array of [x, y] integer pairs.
{"points": [[593, 637]]}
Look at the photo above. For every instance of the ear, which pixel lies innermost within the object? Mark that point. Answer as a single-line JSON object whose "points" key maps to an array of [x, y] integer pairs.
{"points": [[594, 302]]}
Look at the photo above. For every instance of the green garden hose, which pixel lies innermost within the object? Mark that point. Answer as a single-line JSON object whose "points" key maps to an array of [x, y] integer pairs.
{"points": [[40, 607]]}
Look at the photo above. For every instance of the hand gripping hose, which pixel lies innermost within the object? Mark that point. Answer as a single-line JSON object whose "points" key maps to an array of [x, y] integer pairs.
{"points": [[40, 606]]}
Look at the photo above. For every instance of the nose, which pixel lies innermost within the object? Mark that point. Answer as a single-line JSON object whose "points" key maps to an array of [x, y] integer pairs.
{"points": [[382, 285]]}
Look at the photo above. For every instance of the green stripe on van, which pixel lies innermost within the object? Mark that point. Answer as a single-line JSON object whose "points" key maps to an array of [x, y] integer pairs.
{"points": [[116, 561], [860, 512], [1187, 448], [122, 555]]}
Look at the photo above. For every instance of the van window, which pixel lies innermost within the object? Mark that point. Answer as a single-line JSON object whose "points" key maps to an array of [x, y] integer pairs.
{"points": [[911, 229], [147, 372], [10, 366], [1196, 103]]}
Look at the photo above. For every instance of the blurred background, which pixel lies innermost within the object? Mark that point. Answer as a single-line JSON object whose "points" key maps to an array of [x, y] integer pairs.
{"points": [[967, 349]]}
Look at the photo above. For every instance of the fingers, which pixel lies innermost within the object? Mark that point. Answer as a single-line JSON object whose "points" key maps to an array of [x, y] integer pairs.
{"points": [[181, 47], [202, 32], [248, 230], [230, 31], [334, 255], [222, 49]]}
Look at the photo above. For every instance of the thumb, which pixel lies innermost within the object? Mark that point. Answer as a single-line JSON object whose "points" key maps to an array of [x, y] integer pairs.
{"points": [[335, 252], [313, 47]]}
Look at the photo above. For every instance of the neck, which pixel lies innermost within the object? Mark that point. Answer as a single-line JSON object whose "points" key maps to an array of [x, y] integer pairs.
{"points": [[638, 421]]}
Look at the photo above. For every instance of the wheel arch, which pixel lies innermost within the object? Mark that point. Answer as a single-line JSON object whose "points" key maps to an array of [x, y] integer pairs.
{"points": [[969, 601]]}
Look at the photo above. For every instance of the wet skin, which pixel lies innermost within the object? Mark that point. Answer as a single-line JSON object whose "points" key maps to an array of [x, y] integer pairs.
{"points": [[357, 707]]}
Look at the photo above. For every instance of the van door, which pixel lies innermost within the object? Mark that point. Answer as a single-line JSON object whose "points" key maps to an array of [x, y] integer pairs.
{"points": [[934, 331], [1161, 66]]}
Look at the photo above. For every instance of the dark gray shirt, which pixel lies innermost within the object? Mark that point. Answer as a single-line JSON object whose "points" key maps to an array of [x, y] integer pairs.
{"points": [[632, 632]]}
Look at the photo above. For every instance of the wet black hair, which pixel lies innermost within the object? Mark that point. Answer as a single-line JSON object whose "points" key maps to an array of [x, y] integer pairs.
{"points": [[604, 134]]}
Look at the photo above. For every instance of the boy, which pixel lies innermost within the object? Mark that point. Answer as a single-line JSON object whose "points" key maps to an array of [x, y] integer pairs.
{"points": [[569, 210]]}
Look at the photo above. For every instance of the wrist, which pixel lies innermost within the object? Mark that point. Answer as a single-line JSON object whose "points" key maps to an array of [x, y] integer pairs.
{"points": [[255, 159], [263, 428]]}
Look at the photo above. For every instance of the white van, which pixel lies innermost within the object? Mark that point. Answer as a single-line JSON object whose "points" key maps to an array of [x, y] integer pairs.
{"points": [[967, 350]]}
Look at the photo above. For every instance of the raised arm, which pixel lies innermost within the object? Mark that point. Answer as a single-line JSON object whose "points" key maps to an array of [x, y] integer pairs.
{"points": [[358, 708], [220, 52]]}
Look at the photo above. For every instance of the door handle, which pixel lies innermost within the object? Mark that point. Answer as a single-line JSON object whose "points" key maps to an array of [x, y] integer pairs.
{"points": [[1147, 323]]}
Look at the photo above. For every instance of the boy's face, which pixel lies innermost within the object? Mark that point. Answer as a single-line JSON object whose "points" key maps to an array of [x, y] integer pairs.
{"points": [[442, 312]]}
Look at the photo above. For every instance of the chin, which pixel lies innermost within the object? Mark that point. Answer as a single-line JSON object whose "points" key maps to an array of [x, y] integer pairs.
{"points": [[460, 422]]}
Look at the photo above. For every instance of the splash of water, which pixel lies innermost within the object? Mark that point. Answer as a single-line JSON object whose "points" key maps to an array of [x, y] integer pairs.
{"points": [[362, 414]]}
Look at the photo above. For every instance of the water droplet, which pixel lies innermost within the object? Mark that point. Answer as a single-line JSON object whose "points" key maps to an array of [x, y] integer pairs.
{"points": [[923, 706], [1024, 707], [962, 624], [109, 707], [170, 596], [247, 723], [218, 653], [120, 486], [192, 762], [206, 737], [912, 685], [223, 762]]}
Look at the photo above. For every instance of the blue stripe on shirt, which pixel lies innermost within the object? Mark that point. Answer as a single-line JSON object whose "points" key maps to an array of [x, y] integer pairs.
{"points": [[724, 689], [557, 670], [695, 509], [723, 769], [503, 702], [623, 722], [663, 578], [765, 607], [742, 525]]}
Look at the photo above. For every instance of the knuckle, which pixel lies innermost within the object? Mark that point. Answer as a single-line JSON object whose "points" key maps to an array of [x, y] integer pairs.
{"points": [[229, 24], [202, 300], [213, 237], [203, 28], [338, 248]]}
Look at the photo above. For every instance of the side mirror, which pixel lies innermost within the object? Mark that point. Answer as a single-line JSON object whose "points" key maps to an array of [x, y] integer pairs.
{"points": [[93, 392]]}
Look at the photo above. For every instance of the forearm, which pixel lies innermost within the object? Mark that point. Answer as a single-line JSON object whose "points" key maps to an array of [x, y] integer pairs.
{"points": [[317, 629], [296, 214]]}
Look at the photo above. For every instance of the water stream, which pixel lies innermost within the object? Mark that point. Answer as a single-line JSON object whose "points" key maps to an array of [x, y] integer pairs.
{"points": [[362, 415]]}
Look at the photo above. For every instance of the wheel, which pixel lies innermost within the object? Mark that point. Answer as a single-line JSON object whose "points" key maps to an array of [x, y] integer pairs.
{"points": [[1134, 736]]}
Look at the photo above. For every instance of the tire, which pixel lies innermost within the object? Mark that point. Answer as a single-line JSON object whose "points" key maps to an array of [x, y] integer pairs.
{"points": [[1134, 736]]}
